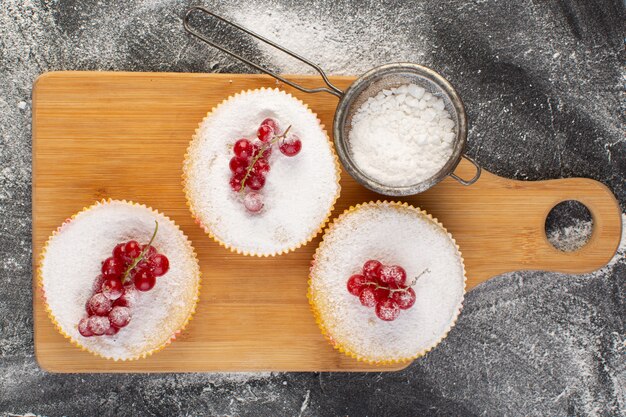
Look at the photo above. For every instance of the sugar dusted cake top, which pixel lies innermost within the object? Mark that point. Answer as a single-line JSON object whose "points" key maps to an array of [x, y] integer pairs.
{"points": [[72, 260], [298, 194], [393, 234]]}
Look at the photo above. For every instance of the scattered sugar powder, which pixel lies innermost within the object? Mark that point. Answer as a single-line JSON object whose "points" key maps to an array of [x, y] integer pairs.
{"points": [[402, 136], [299, 191], [394, 235], [571, 238], [73, 260]]}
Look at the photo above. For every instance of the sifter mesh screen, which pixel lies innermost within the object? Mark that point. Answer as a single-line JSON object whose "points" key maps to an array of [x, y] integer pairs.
{"points": [[392, 76]]}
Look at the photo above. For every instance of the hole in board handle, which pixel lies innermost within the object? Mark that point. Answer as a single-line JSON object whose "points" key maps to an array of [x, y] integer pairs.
{"points": [[569, 226]]}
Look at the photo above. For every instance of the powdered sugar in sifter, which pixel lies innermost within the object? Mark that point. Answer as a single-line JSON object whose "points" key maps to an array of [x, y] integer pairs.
{"points": [[366, 86]]}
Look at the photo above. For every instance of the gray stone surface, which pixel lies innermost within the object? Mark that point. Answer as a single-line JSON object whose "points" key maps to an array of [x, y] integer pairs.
{"points": [[543, 83]]}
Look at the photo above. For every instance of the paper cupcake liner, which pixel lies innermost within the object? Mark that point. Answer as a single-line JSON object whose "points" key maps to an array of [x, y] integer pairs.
{"points": [[317, 314], [75, 342], [207, 229]]}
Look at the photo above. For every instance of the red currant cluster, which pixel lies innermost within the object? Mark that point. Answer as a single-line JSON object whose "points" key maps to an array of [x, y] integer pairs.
{"points": [[250, 164], [131, 268], [383, 287]]}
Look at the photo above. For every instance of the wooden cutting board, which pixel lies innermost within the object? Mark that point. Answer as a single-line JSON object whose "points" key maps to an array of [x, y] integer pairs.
{"points": [[123, 135]]}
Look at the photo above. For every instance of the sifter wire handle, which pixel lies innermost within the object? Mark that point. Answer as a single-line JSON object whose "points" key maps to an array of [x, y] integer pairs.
{"points": [[471, 180], [331, 88]]}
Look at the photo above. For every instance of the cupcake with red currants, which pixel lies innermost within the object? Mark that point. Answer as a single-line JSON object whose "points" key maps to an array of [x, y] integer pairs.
{"points": [[387, 282], [119, 279], [260, 175]]}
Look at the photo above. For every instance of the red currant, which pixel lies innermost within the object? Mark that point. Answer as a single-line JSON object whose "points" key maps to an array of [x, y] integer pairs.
{"points": [[118, 252], [387, 310], [159, 264], [144, 280], [143, 264], [83, 327], [271, 123], [238, 165], [404, 299], [356, 283], [243, 148], [235, 182], [265, 133], [119, 316], [97, 284], [129, 298], [253, 202], [367, 297], [393, 275], [267, 149], [291, 145], [381, 294], [261, 166], [132, 249], [112, 267], [150, 252], [112, 288], [98, 325], [255, 181], [99, 305], [111, 331], [371, 269]]}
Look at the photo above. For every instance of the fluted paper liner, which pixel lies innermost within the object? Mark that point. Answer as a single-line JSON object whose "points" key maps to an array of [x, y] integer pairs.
{"points": [[316, 311], [77, 343], [207, 229]]}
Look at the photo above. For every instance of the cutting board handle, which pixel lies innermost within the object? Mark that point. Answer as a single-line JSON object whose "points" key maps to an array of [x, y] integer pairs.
{"points": [[607, 226], [505, 219], [530, 203]]}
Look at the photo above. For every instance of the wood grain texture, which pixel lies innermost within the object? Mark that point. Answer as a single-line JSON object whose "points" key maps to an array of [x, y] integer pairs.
{"points": [[123, 136]]}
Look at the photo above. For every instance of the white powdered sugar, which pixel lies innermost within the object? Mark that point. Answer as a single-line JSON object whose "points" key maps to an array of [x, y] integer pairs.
{"points": [[73, 260], [402, 136], [299, 191], [393, 235]]}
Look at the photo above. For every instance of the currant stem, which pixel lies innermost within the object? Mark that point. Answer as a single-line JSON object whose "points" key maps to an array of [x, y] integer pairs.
{"points": [[418, 276], [141, 255], [392, 290], [259, 155]]}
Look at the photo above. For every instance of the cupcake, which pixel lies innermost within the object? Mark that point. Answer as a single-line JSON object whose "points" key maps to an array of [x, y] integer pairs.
{"points": [[260, 175], [387, 282], [119, 279]]}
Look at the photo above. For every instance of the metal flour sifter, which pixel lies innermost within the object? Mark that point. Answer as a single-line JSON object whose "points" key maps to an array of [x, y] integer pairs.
{"points": [[368, 85]]}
